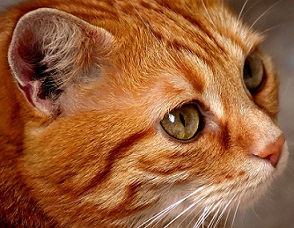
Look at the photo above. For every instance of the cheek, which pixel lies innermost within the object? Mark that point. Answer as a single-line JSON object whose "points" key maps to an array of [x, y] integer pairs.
{"points": [[171, 161], [62, 159], [85, 167], [68, 157]]}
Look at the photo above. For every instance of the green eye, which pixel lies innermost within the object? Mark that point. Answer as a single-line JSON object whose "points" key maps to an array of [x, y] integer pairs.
{"points": [[253, 72], [182, 123]]}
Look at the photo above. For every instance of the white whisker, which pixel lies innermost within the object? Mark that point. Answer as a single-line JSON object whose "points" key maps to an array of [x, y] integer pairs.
{"points": [[214, 217], [224, 210], [240, 15], [270, 29], [183, 212], [171, 207], [188, 214], [250, 8], [263, 14], [242, 9], [234, 217], [227, 217], [203, 216]]}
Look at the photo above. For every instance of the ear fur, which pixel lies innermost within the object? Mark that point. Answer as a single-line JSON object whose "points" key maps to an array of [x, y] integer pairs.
{"points": [[51, 49]]}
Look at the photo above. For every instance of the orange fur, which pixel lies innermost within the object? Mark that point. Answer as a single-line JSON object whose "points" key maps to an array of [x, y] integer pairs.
{"points": [[96, 155]]}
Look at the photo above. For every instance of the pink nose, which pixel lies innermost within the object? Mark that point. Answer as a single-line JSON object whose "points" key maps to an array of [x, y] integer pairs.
{"points": [[273, 151]]}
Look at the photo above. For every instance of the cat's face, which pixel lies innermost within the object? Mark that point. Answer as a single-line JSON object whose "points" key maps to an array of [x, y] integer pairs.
{"points": [[158, 106]]}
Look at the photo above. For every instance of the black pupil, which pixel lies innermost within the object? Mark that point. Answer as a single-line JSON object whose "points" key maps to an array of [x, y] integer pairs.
{"points": [[182, 120], [248, 70]]}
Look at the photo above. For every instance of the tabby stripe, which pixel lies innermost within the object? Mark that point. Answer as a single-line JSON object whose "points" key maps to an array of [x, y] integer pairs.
{"points": [[88, 7], [205, 52], [93, 18], [176, 44], [203, 55], [114, 155], [189, 18], [127, 207], [206, 31]]}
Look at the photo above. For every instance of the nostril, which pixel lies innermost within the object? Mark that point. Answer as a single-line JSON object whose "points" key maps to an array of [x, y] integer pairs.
{"points": [[273, 159], [272, 151]]}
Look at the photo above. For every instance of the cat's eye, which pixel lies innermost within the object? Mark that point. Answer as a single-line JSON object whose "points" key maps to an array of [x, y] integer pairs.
{"points": [[253, 72], [182, 123]]}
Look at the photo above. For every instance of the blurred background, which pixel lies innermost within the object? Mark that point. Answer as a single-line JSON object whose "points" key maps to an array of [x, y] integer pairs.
{"points": [[276, 19]]}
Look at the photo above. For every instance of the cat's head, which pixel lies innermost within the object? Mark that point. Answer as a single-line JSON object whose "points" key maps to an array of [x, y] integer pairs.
{"points": [[164, 109]]}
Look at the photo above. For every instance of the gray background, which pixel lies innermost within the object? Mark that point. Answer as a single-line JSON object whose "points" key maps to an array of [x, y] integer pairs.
{"points": [[276, 210]]}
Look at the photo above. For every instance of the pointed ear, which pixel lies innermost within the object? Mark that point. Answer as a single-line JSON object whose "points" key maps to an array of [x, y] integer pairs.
{"points": [[50, 50]]}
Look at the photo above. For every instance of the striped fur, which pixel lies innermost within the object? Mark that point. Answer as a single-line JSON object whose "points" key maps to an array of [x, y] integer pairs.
{"points": [[93, 154]]}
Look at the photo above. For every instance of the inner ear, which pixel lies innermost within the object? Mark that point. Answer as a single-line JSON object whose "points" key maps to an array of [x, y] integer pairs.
{"points": [[50, 50]]}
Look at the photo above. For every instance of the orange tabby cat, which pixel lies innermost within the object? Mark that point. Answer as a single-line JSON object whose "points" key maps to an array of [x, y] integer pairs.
{"points": [[142, 113]]}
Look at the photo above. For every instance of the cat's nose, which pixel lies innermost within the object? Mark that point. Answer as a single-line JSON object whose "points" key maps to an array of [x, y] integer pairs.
{"points": [[272, 151]]}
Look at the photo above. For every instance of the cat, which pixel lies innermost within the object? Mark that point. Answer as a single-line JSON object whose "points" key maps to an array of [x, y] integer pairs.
{"points": [[142, 113]]}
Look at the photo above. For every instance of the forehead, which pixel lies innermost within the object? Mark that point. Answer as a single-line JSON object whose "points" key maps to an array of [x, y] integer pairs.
{"points": [[196, 26], [198, 32], [169, 54], [193, 50]]}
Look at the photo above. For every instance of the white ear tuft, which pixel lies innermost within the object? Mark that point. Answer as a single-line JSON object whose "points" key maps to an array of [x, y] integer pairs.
{"points": [[49, 50]]}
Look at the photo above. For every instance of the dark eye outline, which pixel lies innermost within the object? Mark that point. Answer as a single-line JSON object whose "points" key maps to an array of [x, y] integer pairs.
{"points": [[253, 73], [200, 122]]}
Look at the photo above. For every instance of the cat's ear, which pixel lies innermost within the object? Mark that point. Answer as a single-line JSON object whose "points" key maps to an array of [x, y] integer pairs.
{"points": [[50, 50]]}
